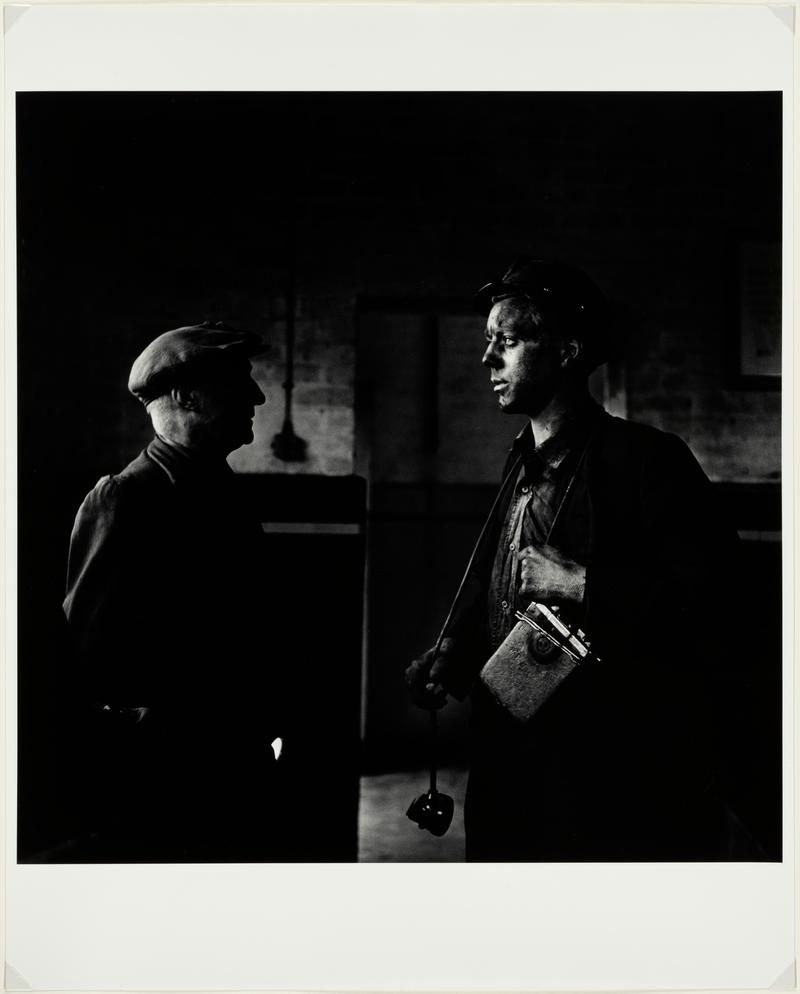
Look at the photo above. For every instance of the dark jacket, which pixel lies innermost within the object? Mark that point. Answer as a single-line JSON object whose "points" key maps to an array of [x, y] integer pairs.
{"points": [[168, 604], [623, 762]]}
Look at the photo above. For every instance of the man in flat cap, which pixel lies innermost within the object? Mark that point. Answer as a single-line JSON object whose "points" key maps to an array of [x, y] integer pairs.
{"points": [[611, 527], [165, 584]]}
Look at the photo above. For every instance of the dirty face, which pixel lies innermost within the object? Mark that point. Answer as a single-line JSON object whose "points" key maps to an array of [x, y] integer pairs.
{"points": [[525, 362]]}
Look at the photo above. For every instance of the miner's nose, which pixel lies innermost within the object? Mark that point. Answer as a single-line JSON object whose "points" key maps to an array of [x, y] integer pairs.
{"points": [[490, 356]]}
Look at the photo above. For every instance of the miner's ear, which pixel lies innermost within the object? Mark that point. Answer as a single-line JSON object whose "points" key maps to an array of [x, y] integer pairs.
{"points": [[571, 351]]}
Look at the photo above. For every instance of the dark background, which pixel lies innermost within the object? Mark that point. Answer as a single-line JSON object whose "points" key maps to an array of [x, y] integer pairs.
{"points": [[140, 212]]}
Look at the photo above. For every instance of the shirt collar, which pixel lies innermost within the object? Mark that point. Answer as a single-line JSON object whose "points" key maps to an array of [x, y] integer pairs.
{"points": [[574, 430]]}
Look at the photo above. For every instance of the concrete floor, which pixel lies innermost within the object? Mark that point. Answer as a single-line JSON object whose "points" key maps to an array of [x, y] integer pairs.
{"points": [[386, 835]]}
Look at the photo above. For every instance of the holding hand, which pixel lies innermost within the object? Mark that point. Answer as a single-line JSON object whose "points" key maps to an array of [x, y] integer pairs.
{"points": [[424, 677], [550, 577]]}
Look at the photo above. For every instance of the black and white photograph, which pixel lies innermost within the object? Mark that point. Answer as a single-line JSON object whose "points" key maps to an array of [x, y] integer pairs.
{"points": [[399, 478], [346, 296]]}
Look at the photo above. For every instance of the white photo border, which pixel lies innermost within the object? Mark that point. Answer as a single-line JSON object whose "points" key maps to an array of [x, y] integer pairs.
{"points": [[398, 927]]}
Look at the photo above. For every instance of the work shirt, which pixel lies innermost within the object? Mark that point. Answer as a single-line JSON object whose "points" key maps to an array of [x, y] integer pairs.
{"points": [[542, 482], [637, 737]]}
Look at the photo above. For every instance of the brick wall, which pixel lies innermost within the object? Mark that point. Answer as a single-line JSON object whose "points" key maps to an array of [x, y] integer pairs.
{"points": [[649, 195], [322, 400], [169, 209]]}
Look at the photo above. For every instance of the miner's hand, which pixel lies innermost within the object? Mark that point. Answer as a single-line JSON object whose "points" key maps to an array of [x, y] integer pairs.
{"points": [[424, 677]]}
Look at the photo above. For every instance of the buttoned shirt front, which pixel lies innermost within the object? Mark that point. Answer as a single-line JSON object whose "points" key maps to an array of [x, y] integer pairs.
{"points": [[541, 485]]}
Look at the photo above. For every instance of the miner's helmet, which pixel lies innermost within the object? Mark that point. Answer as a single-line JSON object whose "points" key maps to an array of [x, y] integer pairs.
{"points": [[560, 292]]}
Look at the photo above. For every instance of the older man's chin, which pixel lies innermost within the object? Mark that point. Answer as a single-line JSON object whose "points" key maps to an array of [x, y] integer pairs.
{"points": [[240, 439]]}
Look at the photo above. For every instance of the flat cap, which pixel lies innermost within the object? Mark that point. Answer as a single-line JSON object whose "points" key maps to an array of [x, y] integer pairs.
{"points": [[175, 352], [560, 289]]}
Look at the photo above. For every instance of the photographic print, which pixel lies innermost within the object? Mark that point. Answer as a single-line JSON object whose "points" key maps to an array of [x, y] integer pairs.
{"points": [[400, 481]]}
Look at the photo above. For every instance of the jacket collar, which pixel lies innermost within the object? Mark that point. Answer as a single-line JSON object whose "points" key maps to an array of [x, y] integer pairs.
{"points": [[181, 464]]}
